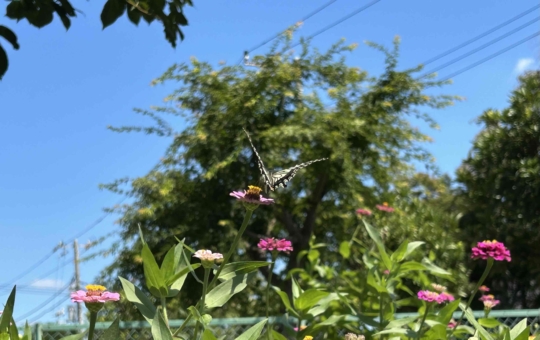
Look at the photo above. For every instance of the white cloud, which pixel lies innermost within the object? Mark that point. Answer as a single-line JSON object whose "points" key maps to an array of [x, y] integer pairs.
{"points": [[523, 64], [48, 284]]}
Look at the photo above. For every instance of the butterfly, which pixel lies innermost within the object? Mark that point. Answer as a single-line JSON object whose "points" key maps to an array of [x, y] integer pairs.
{"points": [[278, 179]]}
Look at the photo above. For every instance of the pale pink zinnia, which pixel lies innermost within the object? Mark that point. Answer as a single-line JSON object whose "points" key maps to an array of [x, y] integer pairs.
{"points": [[94, 294], [438, 287], [452, 324], [207, 255], [491, 249], [489, 301], [273, 244], [363, 212], [384, 207], [252, 195]]}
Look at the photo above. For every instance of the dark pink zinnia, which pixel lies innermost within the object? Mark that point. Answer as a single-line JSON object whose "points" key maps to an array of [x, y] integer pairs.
{"points": [[491, 249], [385, 207], [363, 212], [273, 244]]}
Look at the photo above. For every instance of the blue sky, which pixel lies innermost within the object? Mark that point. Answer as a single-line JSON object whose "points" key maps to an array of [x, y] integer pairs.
{"points": [[63, 88]]}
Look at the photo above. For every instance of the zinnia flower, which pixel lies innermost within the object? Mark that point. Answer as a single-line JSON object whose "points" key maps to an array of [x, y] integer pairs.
{"points": [[483, 289], [301, 328], [491, 249], [94, 297], [363, 212], [437, 287], [428, 296], [386, 272], [489, 301], [444, 296], [385, 207], [352, 336], [207, 257], [452, 324], [252, 196], [308, 337], [271, 244]]}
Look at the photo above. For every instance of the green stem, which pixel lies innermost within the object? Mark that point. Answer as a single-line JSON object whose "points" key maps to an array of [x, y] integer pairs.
{"points": [[164, 308], [201, 306], [271, 272], [381, 310], [299, 328], [486, 272], [428, 305], [93, 319], [247, 217]]}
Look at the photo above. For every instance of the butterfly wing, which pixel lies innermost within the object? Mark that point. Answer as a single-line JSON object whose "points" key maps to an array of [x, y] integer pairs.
{"points": [[265, 173], [282, 177]]}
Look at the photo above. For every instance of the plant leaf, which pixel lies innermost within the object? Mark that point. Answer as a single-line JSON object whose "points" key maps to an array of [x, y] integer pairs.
{"points": [[7, 314], [113, 332], [8, 34], [520, 331], [218, 296], [309, 298], [208, 335], [160, 330], [285, 299], [154, 279], [253, 332], [345, 249], [112, 10], [139, 299], [232, 269], [376, 237]]}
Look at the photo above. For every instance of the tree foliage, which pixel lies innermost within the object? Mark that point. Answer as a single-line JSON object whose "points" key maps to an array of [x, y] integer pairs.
{"points": [[501, 190], [296, 108], [39, 13]]}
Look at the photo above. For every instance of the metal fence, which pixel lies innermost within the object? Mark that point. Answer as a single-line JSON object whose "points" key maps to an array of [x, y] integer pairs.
{"points": [[233, 327]]}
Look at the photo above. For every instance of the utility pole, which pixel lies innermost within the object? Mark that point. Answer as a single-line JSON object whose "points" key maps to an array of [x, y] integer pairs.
{"points": [[77, 278]]}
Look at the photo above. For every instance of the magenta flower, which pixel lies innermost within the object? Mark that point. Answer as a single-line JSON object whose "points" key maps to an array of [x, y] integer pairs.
{"points": [[363, 212], [94, 294], [252, 195], [483, 289], [444, 296], [271, 244], [452, 324], [491, 249], [428, 296], [385, 207]]}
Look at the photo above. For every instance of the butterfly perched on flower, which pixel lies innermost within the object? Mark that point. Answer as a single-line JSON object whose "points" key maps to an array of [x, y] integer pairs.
{"points": [[278, 179]]}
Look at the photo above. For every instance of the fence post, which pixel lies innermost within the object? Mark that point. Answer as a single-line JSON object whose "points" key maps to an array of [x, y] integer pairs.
{"points": [[38, 332]]}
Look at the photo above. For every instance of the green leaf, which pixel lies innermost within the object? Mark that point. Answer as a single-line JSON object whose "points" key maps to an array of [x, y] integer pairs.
{"points": [[376, 237], [489, 322], [3, 62], [285, 299], [160, 330], [323, 304], [113, 332], [235, 268], [411, 266], [437, 271], [437, 331], [409, 333], [345, 249], [27, 332], [313, 255], [196, 315], [253, 332], [7, 314], [401, 322], [208, 335], [296, 289], [167, 266], [134, 15], [8, 34], [40, 17], [225, 290], [520, 331], [181, 263], [277, 336], [112, 10], [399, 254], [13, 331], [180, 275], [371, 280], [139, 299], [309, 298], [411, 247], [333, 320], [154, 279], [4, 336], [445, 314], [15, 10], [470, 317]]}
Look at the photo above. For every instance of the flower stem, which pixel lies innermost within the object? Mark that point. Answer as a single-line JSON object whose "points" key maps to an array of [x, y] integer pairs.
{"points": [[247, 217], [486, 272], [270, 273], [93, 319], [381, 311], [428, 305], [201, 306], [164, 308]]}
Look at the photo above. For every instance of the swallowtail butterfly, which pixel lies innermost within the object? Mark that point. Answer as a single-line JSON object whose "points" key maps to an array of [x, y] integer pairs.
{"points": [[278, 179]]}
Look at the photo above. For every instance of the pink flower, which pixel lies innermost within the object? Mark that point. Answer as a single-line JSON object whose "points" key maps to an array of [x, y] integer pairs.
{"points": [[271, 244], [252, 195], [483, 289], [452, 324], [94, 294], [363, 212], [491, 249], [444, 296], [489, 301], [385, 207], [428, 296], [207, 255], [301, 328], [386, 272]]}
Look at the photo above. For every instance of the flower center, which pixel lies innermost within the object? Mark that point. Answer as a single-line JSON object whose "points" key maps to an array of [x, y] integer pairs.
{"points": [[95, 290], [253, 193], [385, 204]]}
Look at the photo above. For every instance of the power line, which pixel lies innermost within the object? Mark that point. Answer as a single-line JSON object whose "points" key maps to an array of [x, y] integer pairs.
{"points": [[489, 43], [320, 9], [46, 257], [339, 21], [429, 61], [496, 54], [45, 303], [50, 309]]}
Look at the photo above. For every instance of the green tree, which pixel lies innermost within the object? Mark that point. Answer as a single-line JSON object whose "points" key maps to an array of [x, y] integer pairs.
{"points": [[39, 13], [297, 108], [501, 191]]}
